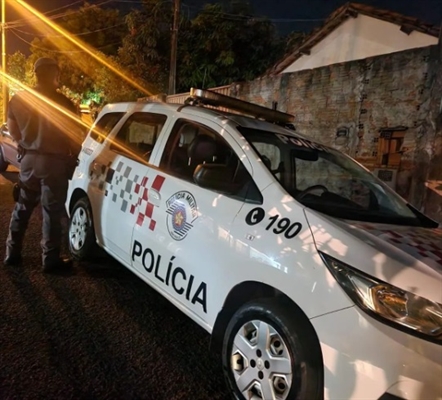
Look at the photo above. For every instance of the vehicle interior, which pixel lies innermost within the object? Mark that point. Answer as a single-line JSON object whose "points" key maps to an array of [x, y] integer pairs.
{"points": [[330, 182]]}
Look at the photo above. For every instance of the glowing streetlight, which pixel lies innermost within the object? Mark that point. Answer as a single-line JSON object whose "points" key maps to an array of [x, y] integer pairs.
{"points": [[4, 86]]}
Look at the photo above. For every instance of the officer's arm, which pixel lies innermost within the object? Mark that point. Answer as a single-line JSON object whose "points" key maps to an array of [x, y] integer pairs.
{"points": [[14, 130]]}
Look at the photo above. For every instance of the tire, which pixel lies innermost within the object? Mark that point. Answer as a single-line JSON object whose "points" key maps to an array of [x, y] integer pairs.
{"points": [[288, 346], [3, 163], [81, 232]]}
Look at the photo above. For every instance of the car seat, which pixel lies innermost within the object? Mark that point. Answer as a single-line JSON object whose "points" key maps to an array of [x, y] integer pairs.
{"points": [[179, 162], [201, 150]]}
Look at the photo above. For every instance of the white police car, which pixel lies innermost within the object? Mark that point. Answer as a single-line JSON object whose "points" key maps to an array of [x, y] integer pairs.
{"points": [[313, 277]]}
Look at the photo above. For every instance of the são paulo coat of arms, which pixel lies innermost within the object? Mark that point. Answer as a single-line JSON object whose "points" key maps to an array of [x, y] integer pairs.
{"points": [[182, 211]]}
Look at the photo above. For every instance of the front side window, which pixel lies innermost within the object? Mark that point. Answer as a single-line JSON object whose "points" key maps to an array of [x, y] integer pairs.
{"points": [[328, 181], [137, 137], [198, 154]]}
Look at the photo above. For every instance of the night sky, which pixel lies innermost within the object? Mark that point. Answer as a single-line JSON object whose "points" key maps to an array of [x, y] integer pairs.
{"points": [[288, 15]]}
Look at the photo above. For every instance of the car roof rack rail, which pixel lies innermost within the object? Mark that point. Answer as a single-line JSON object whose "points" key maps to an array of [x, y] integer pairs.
{"points": [[204, 97]]}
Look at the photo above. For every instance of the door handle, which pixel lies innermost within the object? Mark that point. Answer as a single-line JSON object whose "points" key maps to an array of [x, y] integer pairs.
{"points": [[154, 197]]}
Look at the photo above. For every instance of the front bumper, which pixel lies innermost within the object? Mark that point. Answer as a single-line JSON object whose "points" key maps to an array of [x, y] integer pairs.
{"points": [[365, 359]]}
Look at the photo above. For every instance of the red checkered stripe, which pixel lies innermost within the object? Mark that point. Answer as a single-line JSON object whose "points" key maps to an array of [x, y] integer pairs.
{"points": [[427, 244], [427, 247], [422, 244], [144, 206]]}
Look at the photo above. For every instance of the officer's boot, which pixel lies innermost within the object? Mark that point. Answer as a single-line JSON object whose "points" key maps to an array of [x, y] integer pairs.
{"points": [[12, 259], [51, 246], [19, 222], [13, 253], [14, 242], [52, 262]]}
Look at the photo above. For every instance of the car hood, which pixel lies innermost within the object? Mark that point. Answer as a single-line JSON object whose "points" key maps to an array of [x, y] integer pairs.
{"points": [[409, 258]]}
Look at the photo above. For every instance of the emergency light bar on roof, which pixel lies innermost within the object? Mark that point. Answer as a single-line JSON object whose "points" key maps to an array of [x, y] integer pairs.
{"points": [[207, 97]]}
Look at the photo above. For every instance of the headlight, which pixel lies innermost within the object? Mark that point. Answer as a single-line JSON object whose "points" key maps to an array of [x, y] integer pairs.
{"points": [[381, 300]]}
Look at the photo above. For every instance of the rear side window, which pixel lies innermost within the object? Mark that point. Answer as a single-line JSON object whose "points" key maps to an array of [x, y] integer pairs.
{"points": [[104, 125], [137, 137]]}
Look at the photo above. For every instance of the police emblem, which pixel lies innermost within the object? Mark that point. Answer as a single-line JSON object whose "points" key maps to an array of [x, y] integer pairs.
{"points": [[182, 211]]}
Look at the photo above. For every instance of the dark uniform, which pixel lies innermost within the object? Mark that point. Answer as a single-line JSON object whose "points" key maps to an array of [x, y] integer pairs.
{"points": [[50, 141]]}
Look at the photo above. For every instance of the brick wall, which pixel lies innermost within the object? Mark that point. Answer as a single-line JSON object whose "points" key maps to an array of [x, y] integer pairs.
{"points": [[362, 97], [431, 142]]}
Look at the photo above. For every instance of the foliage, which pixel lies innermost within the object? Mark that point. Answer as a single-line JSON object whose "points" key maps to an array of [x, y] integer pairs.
{"points": [[146, 49], [223, 43], [16, 66], [293, 40], [113, 88], [101, 29], [226, 44]]}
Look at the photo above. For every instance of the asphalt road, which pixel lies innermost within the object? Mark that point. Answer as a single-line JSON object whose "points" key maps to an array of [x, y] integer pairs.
{"points": [[96, 333]]}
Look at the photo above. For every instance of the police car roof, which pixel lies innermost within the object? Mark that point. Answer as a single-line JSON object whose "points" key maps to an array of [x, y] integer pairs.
{"points": [[204, 112], [214, 114]]}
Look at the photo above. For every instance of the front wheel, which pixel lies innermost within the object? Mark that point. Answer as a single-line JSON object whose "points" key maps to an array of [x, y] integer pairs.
{"points": [[270, 352], [82, 243]]}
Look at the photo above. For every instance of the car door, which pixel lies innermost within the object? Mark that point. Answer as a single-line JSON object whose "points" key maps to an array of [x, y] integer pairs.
{"points": [[123, 167], [183, 246]]}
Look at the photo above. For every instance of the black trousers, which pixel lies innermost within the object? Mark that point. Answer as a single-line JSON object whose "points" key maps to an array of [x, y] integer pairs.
{"points": [[44, 180]]}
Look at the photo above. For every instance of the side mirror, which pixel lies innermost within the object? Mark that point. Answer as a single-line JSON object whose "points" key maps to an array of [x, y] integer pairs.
{"points": [[216, 177]]}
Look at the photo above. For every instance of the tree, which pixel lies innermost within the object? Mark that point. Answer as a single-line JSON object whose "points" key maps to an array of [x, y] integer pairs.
{"points": [[293, 40], [101, 29], [113, 88], [16, 66], [146, 49], [222, 44], [225, 44]]}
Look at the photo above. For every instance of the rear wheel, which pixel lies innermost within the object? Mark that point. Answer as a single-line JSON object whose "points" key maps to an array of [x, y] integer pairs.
{"points": [[3, 163], [82, 242], [271, 353]]}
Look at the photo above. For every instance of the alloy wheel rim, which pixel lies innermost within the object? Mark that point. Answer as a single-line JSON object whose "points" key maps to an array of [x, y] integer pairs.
{"points": [[78, 228], [261, 363]]}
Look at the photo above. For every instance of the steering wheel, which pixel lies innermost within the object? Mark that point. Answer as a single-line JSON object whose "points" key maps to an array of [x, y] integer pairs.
{"points": [[266, 161], [305, 192], [268, 164]]}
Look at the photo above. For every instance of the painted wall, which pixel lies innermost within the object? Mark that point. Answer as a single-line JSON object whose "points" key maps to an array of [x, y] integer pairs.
{"points": [[359, 38]]}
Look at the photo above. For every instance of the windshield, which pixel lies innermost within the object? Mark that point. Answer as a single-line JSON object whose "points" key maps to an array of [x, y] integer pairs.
{"points": [[328, 181]]}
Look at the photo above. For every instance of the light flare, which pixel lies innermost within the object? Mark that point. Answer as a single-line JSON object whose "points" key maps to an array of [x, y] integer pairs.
{"points": [[50, 108], [44, 25], [81, 45]]}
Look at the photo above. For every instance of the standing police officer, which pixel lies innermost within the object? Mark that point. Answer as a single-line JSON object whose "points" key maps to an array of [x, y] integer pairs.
{"points": [[50, 141]]}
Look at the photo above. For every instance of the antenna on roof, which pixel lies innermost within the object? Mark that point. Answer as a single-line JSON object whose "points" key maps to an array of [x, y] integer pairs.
{"points": [[209, 98]]}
